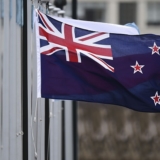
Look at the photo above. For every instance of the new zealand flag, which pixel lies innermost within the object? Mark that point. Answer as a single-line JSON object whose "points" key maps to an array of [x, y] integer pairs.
{"points": [[84, 65]]}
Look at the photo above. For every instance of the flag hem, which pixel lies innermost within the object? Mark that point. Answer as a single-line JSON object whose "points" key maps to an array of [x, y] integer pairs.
{"points": [[38, 58]]}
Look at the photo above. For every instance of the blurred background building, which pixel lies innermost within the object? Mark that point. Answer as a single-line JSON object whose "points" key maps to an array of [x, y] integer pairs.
{"points": [[105, 132], [146, 14], [111, 132]]}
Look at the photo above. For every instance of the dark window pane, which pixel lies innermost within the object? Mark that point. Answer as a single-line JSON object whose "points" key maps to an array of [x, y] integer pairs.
{"points": [[127, 12], [91, 11], [153, 13], [94, 14]]}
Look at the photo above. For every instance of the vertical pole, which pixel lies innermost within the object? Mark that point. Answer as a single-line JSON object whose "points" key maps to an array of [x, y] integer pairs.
{"points": [[25, 82], [63, 157], [42, 130], [63, 130], [46, 127], [68, 131], [19, 108], [55, 131], [75, 132], [1, 40], [47, 120], [74, 9], [12, 83], [5, 84], [39, 124], [29, 65], [74, 104]]}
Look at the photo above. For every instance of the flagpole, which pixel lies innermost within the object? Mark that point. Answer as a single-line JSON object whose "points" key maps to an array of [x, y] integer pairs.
{"points": [[47, 120], [74, 103], [60, 4], [25, 80]]}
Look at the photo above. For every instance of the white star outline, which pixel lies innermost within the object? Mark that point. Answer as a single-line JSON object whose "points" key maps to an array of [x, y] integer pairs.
{"points": [[153, 97], [155, 45], [137, 70]]}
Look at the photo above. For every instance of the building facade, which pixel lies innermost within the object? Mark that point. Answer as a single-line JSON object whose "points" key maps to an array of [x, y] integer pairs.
{"points": [[144, 13]]}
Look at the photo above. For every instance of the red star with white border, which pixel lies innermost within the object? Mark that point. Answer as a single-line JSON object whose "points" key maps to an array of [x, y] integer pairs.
{"points": [[155, 49], [137, 68], [156, 98]]}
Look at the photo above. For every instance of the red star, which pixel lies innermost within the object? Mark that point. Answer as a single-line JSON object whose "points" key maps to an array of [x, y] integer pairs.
{"points": [[156, 98], [155, 49], [137, 67]]}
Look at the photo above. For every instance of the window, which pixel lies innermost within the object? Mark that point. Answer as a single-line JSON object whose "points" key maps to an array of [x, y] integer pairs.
{"points": [[89, 11], [93, 14], [127, 12], [153, 13]]}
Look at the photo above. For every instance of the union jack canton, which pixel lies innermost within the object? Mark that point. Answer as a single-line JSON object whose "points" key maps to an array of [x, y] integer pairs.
{"points": [[63, 37]]}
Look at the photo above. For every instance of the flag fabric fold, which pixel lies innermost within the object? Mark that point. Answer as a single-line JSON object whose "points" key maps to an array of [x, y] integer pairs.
{"points": [[97, 66]]}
